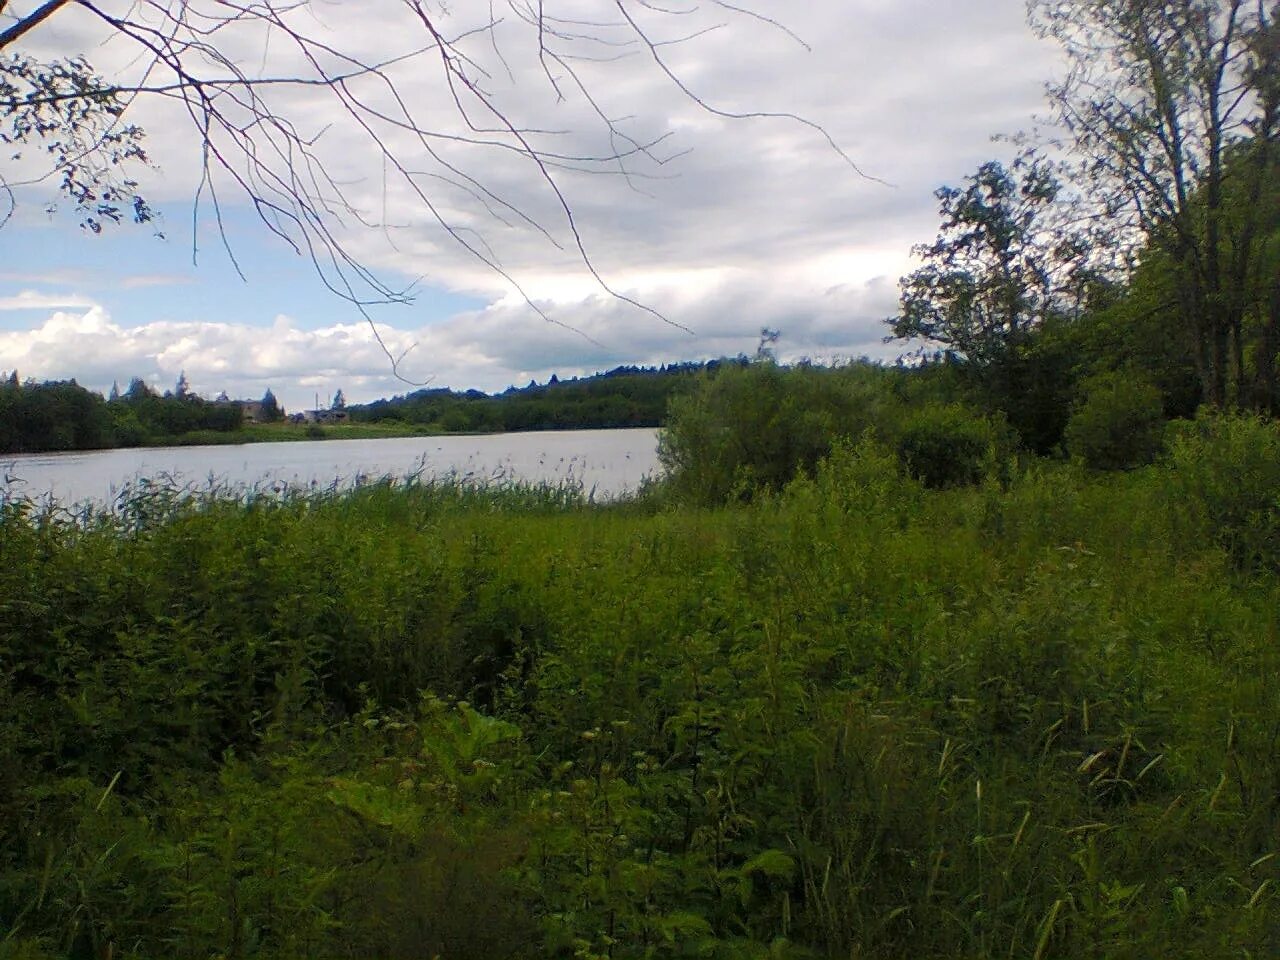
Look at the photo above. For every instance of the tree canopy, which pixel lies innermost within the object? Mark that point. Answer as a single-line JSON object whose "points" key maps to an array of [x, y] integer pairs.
{"points": [[1171, 112], [1146, 238], [997, 267]]}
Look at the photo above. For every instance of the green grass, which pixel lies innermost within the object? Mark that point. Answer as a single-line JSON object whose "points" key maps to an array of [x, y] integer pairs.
{"points": [[857, 718]]}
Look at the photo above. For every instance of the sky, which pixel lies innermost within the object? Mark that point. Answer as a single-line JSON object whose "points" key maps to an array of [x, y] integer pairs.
{"points": [[727, 224]]}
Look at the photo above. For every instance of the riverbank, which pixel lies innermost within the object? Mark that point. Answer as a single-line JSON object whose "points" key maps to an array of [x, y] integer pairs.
{"points": [[299, 432]]}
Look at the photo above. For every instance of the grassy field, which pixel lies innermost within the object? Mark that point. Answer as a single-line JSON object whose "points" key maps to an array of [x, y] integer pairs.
{"points": [[1032, 718]]}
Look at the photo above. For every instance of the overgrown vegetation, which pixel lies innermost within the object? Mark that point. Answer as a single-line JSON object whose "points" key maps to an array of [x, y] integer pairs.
{"points": [[37, 417], [1030, 716]]}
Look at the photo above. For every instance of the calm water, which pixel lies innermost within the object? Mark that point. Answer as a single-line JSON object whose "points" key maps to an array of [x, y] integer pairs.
{"points": [[610, 462]]}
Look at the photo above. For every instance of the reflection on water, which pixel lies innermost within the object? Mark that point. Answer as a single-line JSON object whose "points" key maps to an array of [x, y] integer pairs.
{"points": [[608, 462]]}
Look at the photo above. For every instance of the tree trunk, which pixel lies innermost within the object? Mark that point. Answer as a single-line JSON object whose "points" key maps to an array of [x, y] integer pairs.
{"points": [[1268, 345], [1221, 364]]}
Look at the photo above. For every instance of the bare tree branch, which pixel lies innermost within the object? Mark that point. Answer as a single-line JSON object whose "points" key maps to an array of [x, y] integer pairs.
{"points": [[30, 22], [251, 142]]}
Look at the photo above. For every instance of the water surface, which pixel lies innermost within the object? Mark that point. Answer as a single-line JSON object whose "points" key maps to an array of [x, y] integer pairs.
{"points": [[606, 462]]}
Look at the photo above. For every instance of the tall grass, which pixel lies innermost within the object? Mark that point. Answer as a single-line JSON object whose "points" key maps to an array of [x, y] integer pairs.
{"points": [[1031, 717]]}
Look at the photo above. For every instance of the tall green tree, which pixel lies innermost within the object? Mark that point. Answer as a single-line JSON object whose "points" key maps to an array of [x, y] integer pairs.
{"points": [[997, 267], [1157, 98], [1007, 265], [271, 410]]}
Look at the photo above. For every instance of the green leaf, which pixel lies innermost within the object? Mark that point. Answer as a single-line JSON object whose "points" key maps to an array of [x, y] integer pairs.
{"points": [[771, 863]]}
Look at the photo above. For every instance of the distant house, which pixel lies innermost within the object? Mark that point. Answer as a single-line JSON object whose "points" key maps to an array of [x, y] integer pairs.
{"points": [[251, 410]]}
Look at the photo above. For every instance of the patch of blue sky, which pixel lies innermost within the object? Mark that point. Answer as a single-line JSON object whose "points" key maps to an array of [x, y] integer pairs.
{"points": [[140, 278]]}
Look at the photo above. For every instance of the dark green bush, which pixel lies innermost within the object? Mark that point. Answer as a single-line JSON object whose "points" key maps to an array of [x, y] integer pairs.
{"points": [[1118, 423], [752, 429], [950, 445], [1227, 485]]}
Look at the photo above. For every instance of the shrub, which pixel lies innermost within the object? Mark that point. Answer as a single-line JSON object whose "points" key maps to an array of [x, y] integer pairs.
{"points": [[748, 430], [1227, 485], [949, 445], [1117, 424]]}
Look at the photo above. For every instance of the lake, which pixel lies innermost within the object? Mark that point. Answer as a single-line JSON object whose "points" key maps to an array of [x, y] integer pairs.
{"points": [[608, 462]]}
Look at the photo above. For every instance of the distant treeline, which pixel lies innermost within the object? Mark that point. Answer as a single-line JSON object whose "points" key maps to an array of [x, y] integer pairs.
{"points": [[623, 397], [62, 415]]}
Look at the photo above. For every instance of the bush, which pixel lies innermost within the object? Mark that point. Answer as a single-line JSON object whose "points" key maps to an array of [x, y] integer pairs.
{"points": [[1227, 485], [950, 445], [1117, 424], [748, 430]]}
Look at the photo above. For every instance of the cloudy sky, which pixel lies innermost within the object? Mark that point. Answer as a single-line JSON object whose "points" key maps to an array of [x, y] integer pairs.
{"points": [[722, 226]]}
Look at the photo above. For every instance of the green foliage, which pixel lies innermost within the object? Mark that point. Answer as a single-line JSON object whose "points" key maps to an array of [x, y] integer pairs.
{"points": [[1228, 480], [36, 417], [622, 397], [950, 445], [859, 717], [1140, 333], [52, 416], [751, 429], [991, 276], [1118, 424], [1176, 137], [271, 411], [142, 416]]}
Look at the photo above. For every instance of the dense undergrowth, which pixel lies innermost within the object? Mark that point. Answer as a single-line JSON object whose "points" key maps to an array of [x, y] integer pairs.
{"points": [[1036, 716]]}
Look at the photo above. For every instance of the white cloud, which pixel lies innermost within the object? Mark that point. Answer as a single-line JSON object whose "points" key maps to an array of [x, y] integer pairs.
{"points": [[141, 281], [488, 349], [35, 300], [761, 223]]}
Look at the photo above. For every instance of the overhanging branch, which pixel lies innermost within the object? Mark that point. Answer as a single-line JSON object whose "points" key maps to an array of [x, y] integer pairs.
{"points": [[30, 22]]}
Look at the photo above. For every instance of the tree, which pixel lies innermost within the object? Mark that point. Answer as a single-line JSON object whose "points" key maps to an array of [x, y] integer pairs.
{"points": [[52, 416], [271, 409], [75, 117], [138, 390], [1010, 270], [234, 65], [766, 349], [1117, 423], [339, 401], [997, 268], [1157, 97]]}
